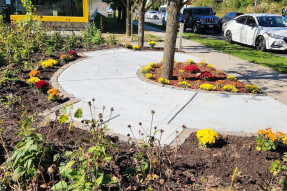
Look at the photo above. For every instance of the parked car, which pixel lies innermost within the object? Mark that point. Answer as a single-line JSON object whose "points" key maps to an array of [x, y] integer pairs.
{"points": [[161, 15], [284, 12], [228, 17], [180, 19], [201, 18], [152, 14], [264, 31]]}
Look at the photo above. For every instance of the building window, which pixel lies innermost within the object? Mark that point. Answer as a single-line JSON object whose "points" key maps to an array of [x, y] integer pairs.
{"points": [[68, 8]]}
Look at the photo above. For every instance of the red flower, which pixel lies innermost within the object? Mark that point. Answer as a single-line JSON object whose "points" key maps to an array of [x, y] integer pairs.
{"points": [[73, 53], [42, 85], [206, 76], [192, 69]]}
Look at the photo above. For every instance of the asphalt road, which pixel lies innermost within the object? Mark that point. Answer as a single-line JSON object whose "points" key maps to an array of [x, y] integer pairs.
{"points": [[212, 35]]}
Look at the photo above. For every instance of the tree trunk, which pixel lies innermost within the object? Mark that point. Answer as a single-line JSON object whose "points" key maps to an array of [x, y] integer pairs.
{"points": [[128, 19], [141, 26], [170, 38], [123, 18], [119, 15]]}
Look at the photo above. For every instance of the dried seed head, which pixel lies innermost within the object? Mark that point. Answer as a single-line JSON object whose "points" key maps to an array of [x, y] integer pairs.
{"points": [[57, 112], [93, 99], [161, 181], [100, 115], [40, 170], [86, 122], [52, 169], [183, 126], [142, 134], [140, 123], [82, 121], [101, 120], [89, 103], [161, 131], [112, 109], [139, 131], [152, 112], [104, 107], [93, 125], [155, 128], [129, 126], [128, 135], [176, 132]]}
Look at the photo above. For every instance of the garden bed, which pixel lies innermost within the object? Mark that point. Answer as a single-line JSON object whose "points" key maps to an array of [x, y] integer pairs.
{"points": [[190, 75]]}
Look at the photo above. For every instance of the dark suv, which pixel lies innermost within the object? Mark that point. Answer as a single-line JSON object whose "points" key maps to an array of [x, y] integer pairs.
{"points": [[201, 18]]}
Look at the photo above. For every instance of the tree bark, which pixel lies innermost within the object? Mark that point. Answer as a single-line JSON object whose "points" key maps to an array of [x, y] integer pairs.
{"points": [[128, 19], [141, 26], [170, 38]]}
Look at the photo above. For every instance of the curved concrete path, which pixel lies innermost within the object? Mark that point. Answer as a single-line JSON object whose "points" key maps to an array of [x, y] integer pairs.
{"points": [[110, 77]]}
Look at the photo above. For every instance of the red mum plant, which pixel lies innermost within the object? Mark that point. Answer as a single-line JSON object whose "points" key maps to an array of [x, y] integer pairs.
{"points": [[192, 69], [73, 53], [42, 85], [206, 76]]}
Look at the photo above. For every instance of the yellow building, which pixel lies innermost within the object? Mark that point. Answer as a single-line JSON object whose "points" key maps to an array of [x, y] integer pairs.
{"points": [[54, 10]]}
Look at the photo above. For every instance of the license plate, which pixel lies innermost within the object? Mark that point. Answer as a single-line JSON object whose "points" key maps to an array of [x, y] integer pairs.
{"points": [[210, 26]]}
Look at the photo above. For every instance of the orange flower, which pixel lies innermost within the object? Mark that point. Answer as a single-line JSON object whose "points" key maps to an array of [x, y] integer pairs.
{"points": [[63, 56], [179, 78], [53, 93], [34, 73], [280, 134]]}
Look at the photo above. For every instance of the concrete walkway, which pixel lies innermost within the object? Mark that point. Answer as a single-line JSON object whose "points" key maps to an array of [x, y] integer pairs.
{"points": [[110, 77], [271, 82]]}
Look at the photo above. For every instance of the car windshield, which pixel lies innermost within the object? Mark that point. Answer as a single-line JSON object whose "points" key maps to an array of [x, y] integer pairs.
{"points": [[272, 21], [202, 11]]}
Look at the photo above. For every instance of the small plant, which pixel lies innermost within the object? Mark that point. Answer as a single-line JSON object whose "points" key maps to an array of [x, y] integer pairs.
{"points": [[128, 45], [218, 83], [252, 88], [34, 73], [207, 137], [73, 54], [229, 88], [206, 76], [146, 69], [63, 57], [276, 168], [163, 81], [192, 69], [112, 39], [42, 86], [231, 78], [53, 94], [208, 87], [136, 47], [210, 66], [268, 140], [149, 76], [190, 61], [152, 44], [32, 80], [179, 78], [153, 64], [49, 63], [184, 84], [180, 72]]}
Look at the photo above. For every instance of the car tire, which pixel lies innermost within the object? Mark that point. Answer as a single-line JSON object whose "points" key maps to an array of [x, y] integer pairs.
{"points": [[195, 28], [228, 36], [260, 43]]}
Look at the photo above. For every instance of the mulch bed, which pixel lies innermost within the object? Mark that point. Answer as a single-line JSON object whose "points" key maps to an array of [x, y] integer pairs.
{"points": [[195, 168]]}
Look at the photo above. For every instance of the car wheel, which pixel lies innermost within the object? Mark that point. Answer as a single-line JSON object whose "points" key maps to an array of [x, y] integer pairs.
{"points": [[229, 36], [260, 43], [195, 28]]}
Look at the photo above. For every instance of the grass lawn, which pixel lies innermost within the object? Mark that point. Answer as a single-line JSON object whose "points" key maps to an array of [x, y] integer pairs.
{"points": [[263, 58]]}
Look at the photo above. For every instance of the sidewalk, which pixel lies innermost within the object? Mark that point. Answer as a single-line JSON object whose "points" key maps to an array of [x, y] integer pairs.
{"points": [[269, 81]]}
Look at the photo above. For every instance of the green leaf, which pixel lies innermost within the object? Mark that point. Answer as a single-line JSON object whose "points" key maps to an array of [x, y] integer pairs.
{"points": [[62, 185], [258, 148], [64, 110], [100, 180], [69, 164], [78, 113], [63, 119]]}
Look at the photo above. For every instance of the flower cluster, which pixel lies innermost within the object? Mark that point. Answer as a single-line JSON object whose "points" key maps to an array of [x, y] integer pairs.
{"points": [[53, 94], [73, 53], [207, 137], [163, 81], [152, 44], [208, 87], [49, 63], [146, 69], [206, 76], [210, 66], [149, 76], [32, 80], [231, 78], [63, 57], [42, 85], [184, 84], [269, 140], [192, 69], [127, 45], [34, 73], [252, 88], [153, 64], [229, 88], [190, 61], [136, 47]]}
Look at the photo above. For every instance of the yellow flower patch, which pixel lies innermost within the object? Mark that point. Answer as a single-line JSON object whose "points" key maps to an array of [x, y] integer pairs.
{"points": [[146, 69], [229, 88], [184, 84], [207, 136], [231, 78], [136, 47], [49, 63], [148, 75], [32, 80], [163, 81], [252, 88], [208, 87]]}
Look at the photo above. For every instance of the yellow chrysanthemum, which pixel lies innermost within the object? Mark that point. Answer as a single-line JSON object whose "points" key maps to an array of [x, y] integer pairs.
{"points": [[207, 136], [163, 81], [208, 87], [53, 94], [32, 80]]}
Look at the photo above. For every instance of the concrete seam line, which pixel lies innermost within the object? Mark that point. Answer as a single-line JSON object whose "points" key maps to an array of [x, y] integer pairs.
{"points": [[182, 107]]}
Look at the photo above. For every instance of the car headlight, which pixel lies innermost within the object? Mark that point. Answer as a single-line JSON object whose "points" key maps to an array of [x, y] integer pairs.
{"points": [[275, 36]]}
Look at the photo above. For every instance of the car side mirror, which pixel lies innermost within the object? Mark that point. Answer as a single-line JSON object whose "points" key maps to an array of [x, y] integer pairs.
{"points": [[283, 12], [252, 24], [214, 13]]}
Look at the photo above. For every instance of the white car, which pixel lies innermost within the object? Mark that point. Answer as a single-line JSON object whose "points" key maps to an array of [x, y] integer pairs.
{"points": [[153, 14], [264, 31]]}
